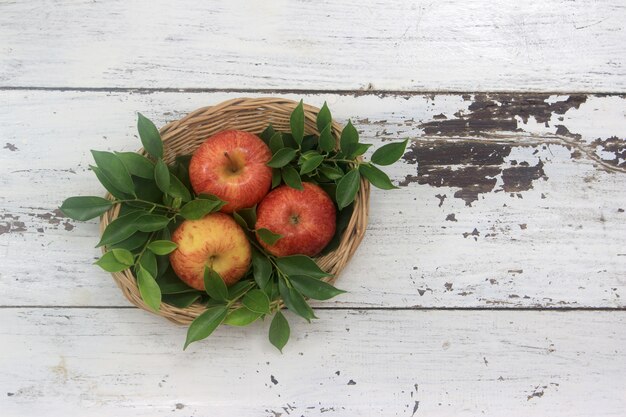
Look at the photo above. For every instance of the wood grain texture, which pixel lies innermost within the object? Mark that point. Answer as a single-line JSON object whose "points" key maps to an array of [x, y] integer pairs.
{"points": [[85, 362], [508, 200], [456, 45]]}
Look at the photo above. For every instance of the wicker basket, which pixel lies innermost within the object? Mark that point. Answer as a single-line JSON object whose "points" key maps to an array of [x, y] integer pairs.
{"points": [[183, 136]]}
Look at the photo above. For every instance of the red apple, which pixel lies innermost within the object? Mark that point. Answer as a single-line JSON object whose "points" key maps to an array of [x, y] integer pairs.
{"points": [[215, 241], [231, 165], [305, 218]]}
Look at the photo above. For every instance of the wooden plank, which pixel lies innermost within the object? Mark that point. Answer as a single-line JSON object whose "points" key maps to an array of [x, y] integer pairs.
{"points": [[85, 362], [458, 45], [506, 199]]}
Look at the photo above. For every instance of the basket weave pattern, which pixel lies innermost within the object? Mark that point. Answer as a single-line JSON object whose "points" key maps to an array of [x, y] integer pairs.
{"points": [[183, 136]]}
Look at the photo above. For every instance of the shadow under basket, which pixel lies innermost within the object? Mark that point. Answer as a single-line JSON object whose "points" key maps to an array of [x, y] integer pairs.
{"points": [[183, 136]]}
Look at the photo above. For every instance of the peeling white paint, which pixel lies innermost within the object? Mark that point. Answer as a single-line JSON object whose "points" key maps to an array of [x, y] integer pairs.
{"points": [[566, 222], [123, 363]]}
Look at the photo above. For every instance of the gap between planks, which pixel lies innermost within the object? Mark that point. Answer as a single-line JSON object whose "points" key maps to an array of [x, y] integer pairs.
{"points": [[347, 92], [341, 308]]}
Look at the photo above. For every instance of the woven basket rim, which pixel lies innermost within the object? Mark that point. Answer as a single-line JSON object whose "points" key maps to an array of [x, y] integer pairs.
{"points": [[240, 111]]}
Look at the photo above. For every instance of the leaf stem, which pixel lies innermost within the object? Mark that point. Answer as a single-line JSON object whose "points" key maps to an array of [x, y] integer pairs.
{"points": [[349, 161], [231, 302], [154, 205], [143, 250]]}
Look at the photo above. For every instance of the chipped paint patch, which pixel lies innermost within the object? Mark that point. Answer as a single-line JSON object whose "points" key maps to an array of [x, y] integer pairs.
{"points": [[501, 112], [612, 150], [472, 167], [10, 224], [56, 218], [539, 390]]}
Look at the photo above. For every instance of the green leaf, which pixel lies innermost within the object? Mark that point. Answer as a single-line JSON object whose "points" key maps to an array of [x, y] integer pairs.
{"points": [[162, 176], [295, 301], [279, 331], [360, 149], [300, 265], [347, 187], [309, 142], [162, 247], [214, 285], [307, 154], [376, 177], [241, 317], [289, 141], [240, 221], [390, 153], [114, 171], [197, 209], [276, 177], [85, 208], [268, 236], [165, 234], [314, 288], [296, 122], [149, 262], [267, 134], [151, 222], [120, 229], [218, 203], [332, 173], [349, 139], [171, 284], [330, 188], [248, 215], [343, 219], [147, 190], [178, 190], [261, 268], [239, 288], [272, 290], [108, 185], [133, 242], [150, 136], [311, 163], [123, 256], [163, 263], [137, 165], [149, 289], [327, 140], [205, 324], [282, 158], [181, 169], [323, 118], [276, 142], [291, 177], [110, 263], [126, 208], [257, 301], [182, 300]]}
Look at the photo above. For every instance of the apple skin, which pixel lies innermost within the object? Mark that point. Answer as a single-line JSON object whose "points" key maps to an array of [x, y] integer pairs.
{"points": [[306, 219], [215, 240], [231, 165]]}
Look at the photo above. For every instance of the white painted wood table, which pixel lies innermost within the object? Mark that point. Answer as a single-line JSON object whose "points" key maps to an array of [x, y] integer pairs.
{"points": [[492, 283]]}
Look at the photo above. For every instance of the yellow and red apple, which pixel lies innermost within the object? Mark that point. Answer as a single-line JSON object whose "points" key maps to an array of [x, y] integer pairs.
{"points": [[214, 241], [231, 165], [305, 218]]}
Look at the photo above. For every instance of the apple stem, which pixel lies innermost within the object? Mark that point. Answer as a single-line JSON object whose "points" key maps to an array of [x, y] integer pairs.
{"points": [[233, 167]]}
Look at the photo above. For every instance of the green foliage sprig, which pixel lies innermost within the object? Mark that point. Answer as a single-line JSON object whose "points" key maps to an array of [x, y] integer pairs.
{"points": [[154, 198]]}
